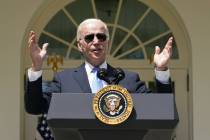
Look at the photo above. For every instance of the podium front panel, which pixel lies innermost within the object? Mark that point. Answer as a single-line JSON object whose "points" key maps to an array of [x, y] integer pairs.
{"points": [[74, 110]]}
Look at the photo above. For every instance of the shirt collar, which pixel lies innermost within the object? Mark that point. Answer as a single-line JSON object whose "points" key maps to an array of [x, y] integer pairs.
{"points": [[89, 67]]}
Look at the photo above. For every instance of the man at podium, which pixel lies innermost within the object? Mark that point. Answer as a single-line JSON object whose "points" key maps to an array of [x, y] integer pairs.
{"points": [[92, 42]]}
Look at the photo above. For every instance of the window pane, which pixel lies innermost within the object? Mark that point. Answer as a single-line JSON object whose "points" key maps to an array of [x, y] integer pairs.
{"points": [[107, 9], [55, 47], [128, 45], [151, 26], [80, 10], [131, 11], [119, 35], [137, 54], [61, 27]]}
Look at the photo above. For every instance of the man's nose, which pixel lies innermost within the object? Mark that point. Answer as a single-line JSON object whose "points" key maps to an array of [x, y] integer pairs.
{"points": [[95, 40]]}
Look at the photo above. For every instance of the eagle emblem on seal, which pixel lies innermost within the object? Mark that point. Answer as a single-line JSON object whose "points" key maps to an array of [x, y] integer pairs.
{"points": [[112, 104]]}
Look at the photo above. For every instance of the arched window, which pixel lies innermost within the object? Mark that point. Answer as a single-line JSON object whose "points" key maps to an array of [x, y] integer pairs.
{"points": [[135, 28]]}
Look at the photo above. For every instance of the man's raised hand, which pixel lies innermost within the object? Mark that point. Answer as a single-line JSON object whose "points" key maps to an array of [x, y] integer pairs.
{"points": [[161, 59], [37, 54]]}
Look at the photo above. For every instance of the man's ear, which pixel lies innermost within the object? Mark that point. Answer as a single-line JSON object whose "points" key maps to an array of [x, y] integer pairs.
{"points": [[79, 46]]}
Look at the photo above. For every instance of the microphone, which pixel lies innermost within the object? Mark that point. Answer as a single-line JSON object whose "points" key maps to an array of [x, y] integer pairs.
{"points": [[102, 74], [119, 75]]}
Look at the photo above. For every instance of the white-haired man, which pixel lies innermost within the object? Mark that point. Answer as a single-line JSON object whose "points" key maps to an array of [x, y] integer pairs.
{"points": [[92, 42]]}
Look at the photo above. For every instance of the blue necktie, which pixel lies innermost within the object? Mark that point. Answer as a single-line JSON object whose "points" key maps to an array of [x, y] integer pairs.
{"points": [[96, 83]]}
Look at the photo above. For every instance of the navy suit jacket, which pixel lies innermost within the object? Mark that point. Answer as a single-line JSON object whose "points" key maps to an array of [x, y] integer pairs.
{"points": [[76, 81]]}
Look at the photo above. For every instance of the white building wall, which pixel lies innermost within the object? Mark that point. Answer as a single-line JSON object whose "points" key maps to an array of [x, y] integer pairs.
{"points": [[14, 18]]}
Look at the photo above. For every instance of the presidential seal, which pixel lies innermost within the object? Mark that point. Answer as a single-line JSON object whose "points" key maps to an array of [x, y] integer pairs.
{"points": [[112, 104]]}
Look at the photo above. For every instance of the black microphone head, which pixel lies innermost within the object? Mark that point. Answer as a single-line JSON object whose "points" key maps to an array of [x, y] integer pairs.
{"points": [[102, 73], [119, 74]]}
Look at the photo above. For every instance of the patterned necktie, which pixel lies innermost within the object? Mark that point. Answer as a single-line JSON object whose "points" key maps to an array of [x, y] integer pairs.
{"points": [[96, 82]]}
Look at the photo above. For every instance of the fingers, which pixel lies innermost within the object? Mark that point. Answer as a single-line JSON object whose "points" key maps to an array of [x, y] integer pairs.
{"points": [[44, 47], [44, 50], [32, 43], [157, 50], [169, 43], [168, 47], [32, 37]]}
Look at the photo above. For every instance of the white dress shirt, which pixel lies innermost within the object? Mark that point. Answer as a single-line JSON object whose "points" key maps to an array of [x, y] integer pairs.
{"points": [[90, 75], [162, 76]]}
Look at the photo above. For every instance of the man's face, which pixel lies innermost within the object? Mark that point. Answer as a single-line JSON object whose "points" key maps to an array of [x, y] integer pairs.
{"points": [[93, 43]]}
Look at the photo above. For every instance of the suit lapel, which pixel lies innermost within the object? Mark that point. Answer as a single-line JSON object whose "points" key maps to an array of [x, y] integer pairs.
{"points": [[82, 79]]}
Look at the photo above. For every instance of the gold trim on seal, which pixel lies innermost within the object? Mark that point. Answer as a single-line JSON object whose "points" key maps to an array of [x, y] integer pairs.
{"points": [[114, 91]]}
